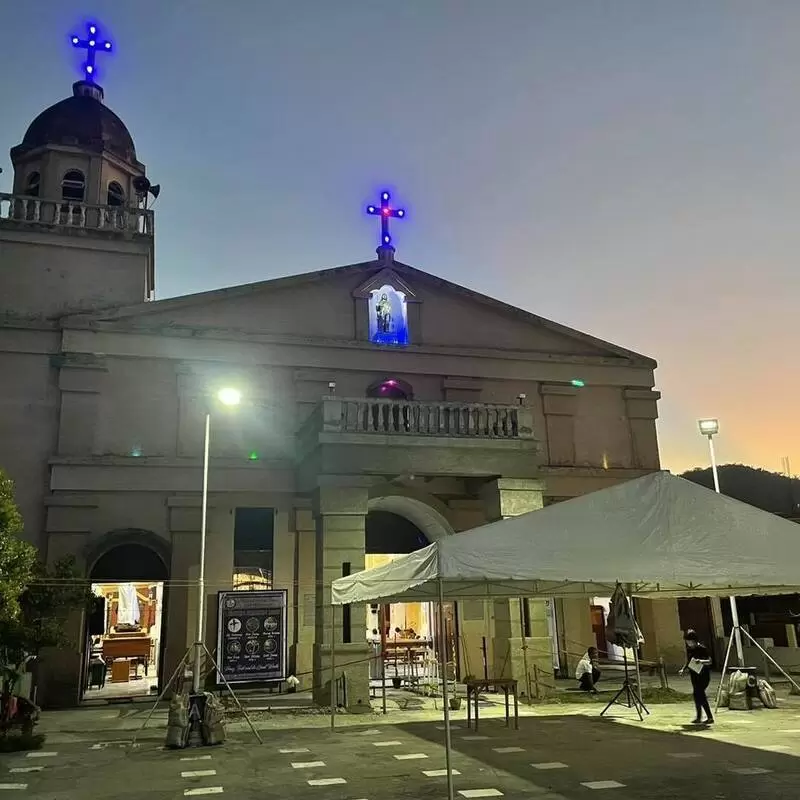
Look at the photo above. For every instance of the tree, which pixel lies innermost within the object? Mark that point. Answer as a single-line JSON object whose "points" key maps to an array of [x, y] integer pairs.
{"points": [[769, 491], [17, 557], [34, 599]]}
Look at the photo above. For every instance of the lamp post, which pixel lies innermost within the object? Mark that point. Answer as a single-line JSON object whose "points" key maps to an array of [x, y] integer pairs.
{"points": [[710, 428], [228, 397]]}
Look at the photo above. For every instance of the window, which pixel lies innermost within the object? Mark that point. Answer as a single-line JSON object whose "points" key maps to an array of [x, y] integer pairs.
{"points": [[73, 186], [116, 195], [253, 533], [388, 320], [32, 184]]}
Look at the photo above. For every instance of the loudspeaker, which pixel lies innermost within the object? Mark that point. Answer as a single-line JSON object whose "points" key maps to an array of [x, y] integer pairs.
{"points": [[97, 616]]}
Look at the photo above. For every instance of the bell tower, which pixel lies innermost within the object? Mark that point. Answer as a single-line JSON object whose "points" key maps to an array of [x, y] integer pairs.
{"points": [[76, 233]]}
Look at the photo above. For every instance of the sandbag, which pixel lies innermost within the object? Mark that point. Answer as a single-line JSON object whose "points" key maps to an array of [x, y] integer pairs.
{"points": [[767, 694], [212, 728], [178, 721]]}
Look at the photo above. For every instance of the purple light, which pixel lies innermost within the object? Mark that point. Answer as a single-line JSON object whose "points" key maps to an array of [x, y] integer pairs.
{"points": [[385, 212], [392, 383], [387, 239], [89, 69], [385, 195], [400, 212], [370, 209]]}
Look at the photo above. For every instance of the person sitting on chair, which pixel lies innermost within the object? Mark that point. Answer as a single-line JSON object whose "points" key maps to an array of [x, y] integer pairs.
{"points": [[587, 673]]}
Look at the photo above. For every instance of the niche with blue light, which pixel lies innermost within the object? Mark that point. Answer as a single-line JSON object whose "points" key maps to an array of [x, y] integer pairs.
{"points": [[388, 317]]}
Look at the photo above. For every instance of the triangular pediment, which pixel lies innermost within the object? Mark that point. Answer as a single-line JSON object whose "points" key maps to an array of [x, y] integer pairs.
{"points": [[384, 277], [323, 306]]}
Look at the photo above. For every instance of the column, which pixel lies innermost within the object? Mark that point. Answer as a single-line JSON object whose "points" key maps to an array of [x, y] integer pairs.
{"points": [[340, 513], [301, 656], [511, 652], [662, 633]]}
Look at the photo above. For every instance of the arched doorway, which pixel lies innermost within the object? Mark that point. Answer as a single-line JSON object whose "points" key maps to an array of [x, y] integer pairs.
{"points": [[409, 633], [125, 630]]}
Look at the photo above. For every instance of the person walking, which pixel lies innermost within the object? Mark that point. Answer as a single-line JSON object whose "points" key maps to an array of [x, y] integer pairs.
{"points": [[698, 662]]}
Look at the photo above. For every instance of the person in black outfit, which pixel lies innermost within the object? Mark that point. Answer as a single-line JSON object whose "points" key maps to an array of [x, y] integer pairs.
{"points": [[698, 662]]}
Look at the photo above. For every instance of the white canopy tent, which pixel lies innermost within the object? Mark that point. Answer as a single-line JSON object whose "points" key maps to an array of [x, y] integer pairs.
{"points": [[661, 535]]}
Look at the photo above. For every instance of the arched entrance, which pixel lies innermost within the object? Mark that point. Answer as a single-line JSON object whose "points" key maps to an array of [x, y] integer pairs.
{"points": [[409, 632], [125, 630]]}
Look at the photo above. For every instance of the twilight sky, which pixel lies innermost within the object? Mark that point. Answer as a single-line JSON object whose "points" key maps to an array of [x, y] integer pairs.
{"points": [[629, 169]]}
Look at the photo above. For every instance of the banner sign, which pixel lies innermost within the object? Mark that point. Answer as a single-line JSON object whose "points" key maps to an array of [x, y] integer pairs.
{"points": [[251, 636]]}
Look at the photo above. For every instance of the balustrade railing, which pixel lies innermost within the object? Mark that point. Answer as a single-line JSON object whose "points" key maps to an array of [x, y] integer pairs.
{"points": [[426, 418], [69, 214]]}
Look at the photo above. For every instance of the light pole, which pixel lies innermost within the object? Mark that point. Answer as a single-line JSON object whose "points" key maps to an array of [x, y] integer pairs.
{"points": [[228, 397], [710, 428]]}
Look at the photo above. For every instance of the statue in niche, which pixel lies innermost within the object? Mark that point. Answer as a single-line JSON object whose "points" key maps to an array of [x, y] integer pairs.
{"points": [[383, 312]]}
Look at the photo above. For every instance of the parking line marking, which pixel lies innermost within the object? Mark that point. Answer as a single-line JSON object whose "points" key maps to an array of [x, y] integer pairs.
{"points": [[307, 764], [288, 750], [196, 758], [439, 773], [480, 793], [41, 754], [393, 743], [550, 765], [203, 790], [603, 785], [409, 756], [199, 773], [508, 749], [326, 781], [749, 770]]}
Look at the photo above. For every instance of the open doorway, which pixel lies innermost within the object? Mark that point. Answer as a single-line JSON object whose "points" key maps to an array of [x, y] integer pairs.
{"points": [[125, 629]]}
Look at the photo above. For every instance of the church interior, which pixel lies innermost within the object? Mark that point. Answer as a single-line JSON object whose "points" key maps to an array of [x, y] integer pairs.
{"points": [[125, 640]]}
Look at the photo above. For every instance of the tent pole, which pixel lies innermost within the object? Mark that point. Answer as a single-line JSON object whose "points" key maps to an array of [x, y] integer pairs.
{"points": [[382, 623], [772, 660], [333, 667], [524, 650], [724, 671], [448, 746]]}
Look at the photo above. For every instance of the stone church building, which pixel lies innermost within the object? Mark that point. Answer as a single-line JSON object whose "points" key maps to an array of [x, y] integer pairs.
{"points": [[382, 408]]}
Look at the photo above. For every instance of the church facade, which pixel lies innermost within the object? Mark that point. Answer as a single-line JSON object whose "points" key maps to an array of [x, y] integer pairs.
{"points": [[376, 399]]}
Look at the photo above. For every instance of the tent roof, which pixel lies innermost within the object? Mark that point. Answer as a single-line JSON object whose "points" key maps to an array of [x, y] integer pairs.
{"points": [[661, 534]]}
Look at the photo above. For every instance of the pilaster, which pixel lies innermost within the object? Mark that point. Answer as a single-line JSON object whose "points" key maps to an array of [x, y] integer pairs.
{"points": [[340, 513], [521, 648]]}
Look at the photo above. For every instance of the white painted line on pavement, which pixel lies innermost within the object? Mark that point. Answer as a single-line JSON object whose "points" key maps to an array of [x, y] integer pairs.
{"points": [[326, 781], [289, 750], [409, 756], [26, 769], [749, 770], [508, 749], [480, 793], [41, 754], [550, 765], [307, 764], [196, 758], [474, 738], [439, 773], [199, 773], [393, 743], [13, 786], [603, 785], [684, 755], [203, 790]]}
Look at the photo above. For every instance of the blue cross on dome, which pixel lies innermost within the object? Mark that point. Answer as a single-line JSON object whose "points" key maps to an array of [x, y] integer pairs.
{"points": [[385, 212], [91, 44]]}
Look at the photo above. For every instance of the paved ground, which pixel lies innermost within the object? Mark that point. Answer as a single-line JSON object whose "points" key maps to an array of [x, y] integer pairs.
{"points": [[562, 752]]}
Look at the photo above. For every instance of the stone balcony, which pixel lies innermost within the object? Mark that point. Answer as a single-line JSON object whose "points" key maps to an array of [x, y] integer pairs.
{"points": [[346, 435], [21, 211]]}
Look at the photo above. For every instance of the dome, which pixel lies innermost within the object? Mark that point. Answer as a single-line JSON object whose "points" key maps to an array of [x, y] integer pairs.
{"points": [[80, 121]]}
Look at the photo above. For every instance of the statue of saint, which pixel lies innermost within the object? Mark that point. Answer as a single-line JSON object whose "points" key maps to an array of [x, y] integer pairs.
{"points": [[383, 312]]}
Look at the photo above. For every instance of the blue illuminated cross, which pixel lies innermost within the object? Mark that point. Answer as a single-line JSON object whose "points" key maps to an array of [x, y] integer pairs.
{"points": [[385, 211], [91, 44]]}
